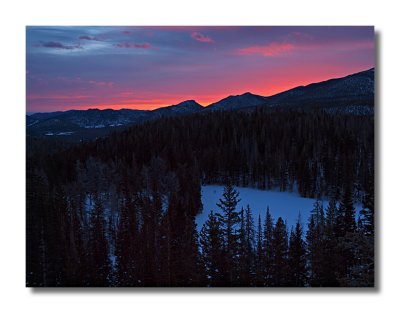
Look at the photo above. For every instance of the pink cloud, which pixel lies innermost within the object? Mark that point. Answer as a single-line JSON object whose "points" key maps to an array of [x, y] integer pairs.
{"points": [[133, 45], [271, 49], [202, 38]]}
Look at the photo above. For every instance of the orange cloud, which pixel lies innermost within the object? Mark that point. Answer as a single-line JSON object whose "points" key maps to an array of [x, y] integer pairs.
{"points": [[271, 49]]}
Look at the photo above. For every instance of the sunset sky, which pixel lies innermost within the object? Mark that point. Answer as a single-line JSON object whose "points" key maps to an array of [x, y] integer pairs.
{"points": [[148, 67]]}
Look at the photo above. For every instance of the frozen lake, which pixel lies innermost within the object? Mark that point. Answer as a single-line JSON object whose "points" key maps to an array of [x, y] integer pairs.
{"points": [[281, 204]]}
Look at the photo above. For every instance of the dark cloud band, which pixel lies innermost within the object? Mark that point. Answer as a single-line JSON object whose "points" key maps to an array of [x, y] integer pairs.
{"points": [[59, 45], [133, 45]]}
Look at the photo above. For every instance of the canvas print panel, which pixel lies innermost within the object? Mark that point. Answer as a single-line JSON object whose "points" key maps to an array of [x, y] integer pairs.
{"points": [[200, 156]]}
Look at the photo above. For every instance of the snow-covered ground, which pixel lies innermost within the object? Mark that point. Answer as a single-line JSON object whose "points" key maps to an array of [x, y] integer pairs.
{"points": [[281, 204]]}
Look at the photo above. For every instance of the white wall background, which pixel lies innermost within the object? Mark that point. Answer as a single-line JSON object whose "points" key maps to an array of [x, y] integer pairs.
{"points": [[16, 14]]}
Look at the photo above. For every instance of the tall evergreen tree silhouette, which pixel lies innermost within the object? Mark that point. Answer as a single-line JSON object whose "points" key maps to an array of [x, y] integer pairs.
{"points": [[229, 219], [297, 276], [367, 212], [268, 248], [212, 251], [279, 254], [259, 256], [98, 247]]}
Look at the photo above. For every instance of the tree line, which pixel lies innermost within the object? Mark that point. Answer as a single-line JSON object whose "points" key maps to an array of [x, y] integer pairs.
{"points": [[313, 152]]}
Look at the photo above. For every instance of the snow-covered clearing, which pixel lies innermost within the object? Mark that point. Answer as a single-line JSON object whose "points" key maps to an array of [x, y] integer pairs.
{"points": [[281, 204]]}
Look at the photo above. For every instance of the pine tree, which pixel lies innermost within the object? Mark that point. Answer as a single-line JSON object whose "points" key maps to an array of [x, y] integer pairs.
{"points": [[318, 228], [246, 253], [363, 271], [250, 242], [150, 204], [229, 219], [242, 253], [259, 258], [367, 212], [346, 214], [98, 247], [279, 254], [319, 215], [330, 219], [37, 199], [212, 251], [330, 257], [346, 237], [312, 251], [127, 249], [182, 245], [61, 254], [297, 258], [267, 248]]}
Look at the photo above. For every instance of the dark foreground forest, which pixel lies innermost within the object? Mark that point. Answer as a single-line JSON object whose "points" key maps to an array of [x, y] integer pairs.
{"points": [[120, 211]]}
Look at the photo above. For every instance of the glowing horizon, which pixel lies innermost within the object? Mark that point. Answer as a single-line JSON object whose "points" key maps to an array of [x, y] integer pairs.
{"points": [[150, 67]]}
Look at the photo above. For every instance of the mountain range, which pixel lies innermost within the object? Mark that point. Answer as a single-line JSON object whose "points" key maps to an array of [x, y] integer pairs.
{"points": [[352, 94]]}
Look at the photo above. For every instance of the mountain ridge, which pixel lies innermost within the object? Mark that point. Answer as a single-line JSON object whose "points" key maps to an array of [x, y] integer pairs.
{"points": [[351, 94], [237, 102]]}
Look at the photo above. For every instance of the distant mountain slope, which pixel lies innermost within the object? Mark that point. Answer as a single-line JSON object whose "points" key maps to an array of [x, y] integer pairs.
{"points": [[352, 94], [237, 102], [355, 89], [185, 107], [94, 123], [95, 118]]}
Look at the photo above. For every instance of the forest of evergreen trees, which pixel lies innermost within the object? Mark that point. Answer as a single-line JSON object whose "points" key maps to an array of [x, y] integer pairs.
{"points": [[120, 211]]}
